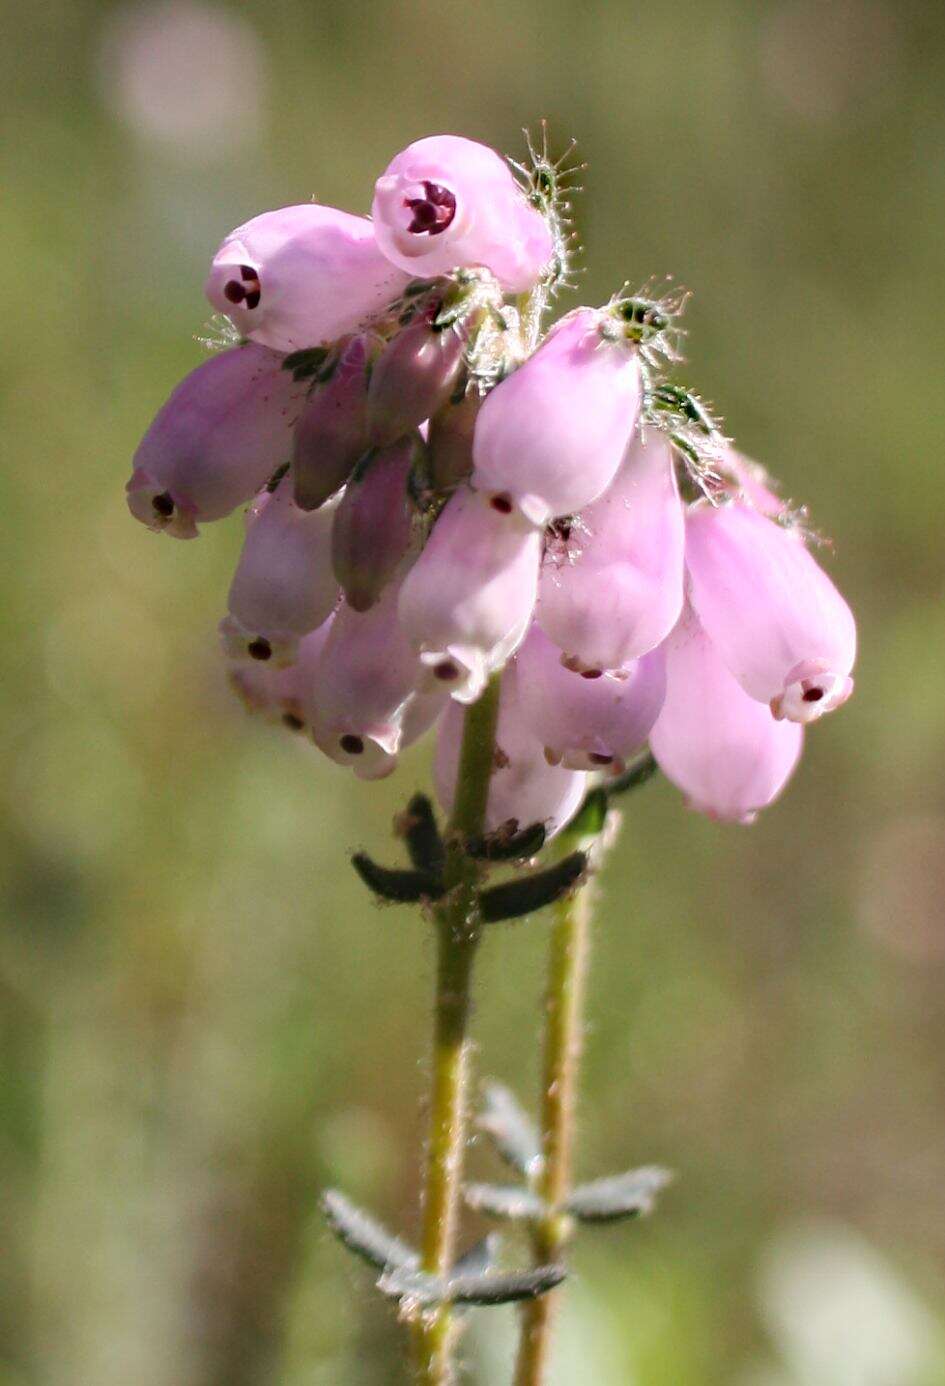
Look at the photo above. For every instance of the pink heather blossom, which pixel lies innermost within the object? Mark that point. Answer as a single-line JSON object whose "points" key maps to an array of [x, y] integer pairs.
{"points": [[723, 749], [587, 722], [360, 691], [467, 601], [616, 589], [301, 276], [772, 613], [551, 436], [223, 432], [373, 523], [753, 482], [450, 441], [332, 431], [283, 586], [276, 692], [524, 788], [445, 203], [411, 379]]}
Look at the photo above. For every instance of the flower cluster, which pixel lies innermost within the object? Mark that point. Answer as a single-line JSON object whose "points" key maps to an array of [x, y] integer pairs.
{"points": [[435, 493]]}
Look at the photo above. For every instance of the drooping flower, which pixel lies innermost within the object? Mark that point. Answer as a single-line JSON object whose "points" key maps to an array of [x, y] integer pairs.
{"points": [[587, 722], [301, 276], [617, 589], [524, 788], [276, 691], [332, 431], [550, 437], [219, 437], [445, 203], [723, 749], [771, 611], [467, 601], [284, 585], [411, 379], [373, 523]]}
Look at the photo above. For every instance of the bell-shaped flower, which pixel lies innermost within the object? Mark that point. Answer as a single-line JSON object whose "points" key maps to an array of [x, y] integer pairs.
{"points": [[283, 586], [360, 696], [332, 431], [445, 202], [301, 276], [524, 788], [587, 721], [468, 600], [551, 436], [723, 749], [276, 692], [612, 584], [771, 611], [373, 523], [410, 380], [220, 436]]}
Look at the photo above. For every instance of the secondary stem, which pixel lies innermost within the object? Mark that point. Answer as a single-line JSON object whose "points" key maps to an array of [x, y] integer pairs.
{"points": [[458, 930], [564, 1004]]}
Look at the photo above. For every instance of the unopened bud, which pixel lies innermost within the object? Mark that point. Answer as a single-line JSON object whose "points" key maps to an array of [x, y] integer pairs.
{"points": [[450, 441], [332, 432], [412, 378], [373, 523]]}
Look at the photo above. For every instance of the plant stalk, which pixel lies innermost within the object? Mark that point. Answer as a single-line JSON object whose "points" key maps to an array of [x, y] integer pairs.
{"points": [[458, 930]]}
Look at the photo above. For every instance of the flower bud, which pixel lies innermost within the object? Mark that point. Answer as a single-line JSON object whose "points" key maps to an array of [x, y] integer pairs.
{"points": [[283, 586], [467, 601], [587, 722], [450, 440], [770, 610], [446, 202], [373, 522], [723, 749], [332, 431], [617, 590], [551, 436], [301, 276], [411, 379], [360, 696], [220, 436], [524, 788]]}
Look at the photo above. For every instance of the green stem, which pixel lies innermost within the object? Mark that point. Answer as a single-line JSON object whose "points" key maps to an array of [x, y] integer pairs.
{"points": [[458, 930], [564, 1004]]}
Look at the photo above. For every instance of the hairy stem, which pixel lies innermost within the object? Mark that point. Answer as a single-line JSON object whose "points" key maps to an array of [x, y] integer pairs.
{"points": [[458, 929], [564, 1025]]}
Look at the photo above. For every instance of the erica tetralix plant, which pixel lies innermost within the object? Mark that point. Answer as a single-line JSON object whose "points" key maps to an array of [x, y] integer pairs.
{"points": [[535, 541]]}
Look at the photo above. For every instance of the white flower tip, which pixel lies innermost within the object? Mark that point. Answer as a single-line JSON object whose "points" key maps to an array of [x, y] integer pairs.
{"points": [[810, 690], [240, 644], [157, 508]]}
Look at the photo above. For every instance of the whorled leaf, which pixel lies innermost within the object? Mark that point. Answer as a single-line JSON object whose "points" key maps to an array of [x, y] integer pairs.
{"points": [[618, 1196], [510, 1129], [515, 898]]}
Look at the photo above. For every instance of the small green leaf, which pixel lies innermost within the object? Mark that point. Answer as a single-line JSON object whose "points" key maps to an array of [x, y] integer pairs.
{"points": [[393, 883], [417, 1291], [422, 836], [524, 895], [510, 1202], [619, 1196], [510, 1128], [479, 1258], [360, 1233], [306, 363], [508, 845], [591, 816]]}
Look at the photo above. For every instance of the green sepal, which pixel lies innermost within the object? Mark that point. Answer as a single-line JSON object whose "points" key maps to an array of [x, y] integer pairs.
{"points": [[510, 1202], [525, 894], [306, 364], [508, 846], [619, 1196], [510, 1129], [394, 883], [422, 836], [363, 1235]]}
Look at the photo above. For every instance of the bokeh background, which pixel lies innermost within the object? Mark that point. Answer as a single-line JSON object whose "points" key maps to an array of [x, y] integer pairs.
{"points": [[204, 1018]]}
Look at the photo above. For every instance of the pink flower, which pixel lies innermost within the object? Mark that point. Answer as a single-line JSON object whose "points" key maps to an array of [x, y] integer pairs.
{"points": [[467, 601], [444, 203], [551, 436], [411, 379], [218, 439], [276, 692], [360, 692], [332, 431], [373, 522], [587, 722], [524, 788], [723, 749], [283, 586], [772, 613], [301, 276], [616, 589]]}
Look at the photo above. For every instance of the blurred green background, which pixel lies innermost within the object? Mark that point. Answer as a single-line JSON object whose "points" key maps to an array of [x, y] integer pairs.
{"points": [[204, 1018]]}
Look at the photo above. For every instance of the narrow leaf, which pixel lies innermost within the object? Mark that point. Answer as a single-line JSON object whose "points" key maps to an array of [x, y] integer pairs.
{"points": [[391, 883], [508, 1201], [642, 770], [364, 1236], [591, 816], [422, 836], [505, 1287], [508, 846], [522, 896], [479, 1258], [510, 1128], [619, 1196]]}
